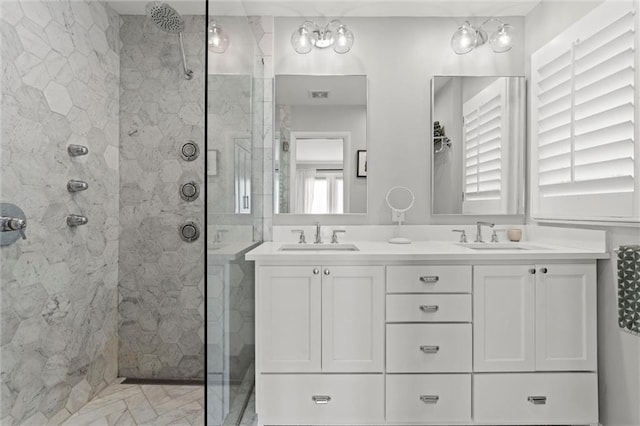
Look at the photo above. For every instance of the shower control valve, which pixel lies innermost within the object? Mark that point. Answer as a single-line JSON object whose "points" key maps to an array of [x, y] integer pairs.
{"points": [[77, 185], [77, 150]]}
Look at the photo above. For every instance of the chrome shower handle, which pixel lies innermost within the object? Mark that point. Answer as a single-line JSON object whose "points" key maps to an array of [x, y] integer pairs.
{"points": [[74, 220], [8, 224]]}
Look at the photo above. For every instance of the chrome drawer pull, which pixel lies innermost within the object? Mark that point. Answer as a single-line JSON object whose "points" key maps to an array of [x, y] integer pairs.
{"points": [[537, 400], [321, 399], [430, 349], [429, 308], [429, 399], [429, 279]]}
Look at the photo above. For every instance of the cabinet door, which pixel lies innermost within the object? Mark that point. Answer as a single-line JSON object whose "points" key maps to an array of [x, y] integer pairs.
{"points": [[352, 319], [566, 317], [503, 318], [289, 319]]}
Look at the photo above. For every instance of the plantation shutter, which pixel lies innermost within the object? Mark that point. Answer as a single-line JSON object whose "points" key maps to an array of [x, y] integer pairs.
{"points": [[484, 135], [584, 119]]}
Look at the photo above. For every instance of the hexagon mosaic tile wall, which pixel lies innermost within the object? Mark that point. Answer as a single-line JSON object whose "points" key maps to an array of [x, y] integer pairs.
{"points": [[161, 326], [60, 74]]}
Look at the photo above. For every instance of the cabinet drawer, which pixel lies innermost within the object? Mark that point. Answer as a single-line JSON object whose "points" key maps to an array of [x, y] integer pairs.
{"points": [[428, 398], [564, 398], [428, 348], [429, 279], [354, 399], [429, 308]]}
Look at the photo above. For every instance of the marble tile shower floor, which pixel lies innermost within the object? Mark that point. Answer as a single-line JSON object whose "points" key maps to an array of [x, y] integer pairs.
{"points": [[154, 405]]}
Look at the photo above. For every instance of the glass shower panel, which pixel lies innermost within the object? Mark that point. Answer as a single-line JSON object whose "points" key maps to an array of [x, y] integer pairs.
{"points": [[235, 198]]}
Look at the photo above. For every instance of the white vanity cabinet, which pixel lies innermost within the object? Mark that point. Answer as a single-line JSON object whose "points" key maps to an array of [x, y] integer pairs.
{"points": [[372, 338], [534, 317], [320, 319], [535, 343], [429, 344]]}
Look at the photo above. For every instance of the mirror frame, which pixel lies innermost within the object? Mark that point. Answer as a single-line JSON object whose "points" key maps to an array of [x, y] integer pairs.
{"points": [[276, 132], [521, 161]]}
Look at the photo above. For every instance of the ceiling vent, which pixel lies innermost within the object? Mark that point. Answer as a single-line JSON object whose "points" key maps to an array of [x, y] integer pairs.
{"points": [[319, 94]]}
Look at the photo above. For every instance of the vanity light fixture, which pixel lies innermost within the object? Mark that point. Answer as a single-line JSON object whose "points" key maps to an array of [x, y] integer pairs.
{"points": [[309, 35], [467, 37], [217, 38]]}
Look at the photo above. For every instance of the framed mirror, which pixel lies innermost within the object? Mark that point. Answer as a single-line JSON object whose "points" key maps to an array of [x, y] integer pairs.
{"points": [[477, 145], [320, 137]]}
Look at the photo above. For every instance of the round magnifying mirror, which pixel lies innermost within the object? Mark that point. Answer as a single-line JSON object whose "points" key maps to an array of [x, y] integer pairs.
{"points": [[399, 199]]}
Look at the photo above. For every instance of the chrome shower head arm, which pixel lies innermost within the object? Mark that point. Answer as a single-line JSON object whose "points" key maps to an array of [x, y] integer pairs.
{"points": [[188, 74]]}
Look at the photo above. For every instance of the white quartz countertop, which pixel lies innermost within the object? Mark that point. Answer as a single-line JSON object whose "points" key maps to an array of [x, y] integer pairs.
{"points": [[224, 252], [382, 251]]}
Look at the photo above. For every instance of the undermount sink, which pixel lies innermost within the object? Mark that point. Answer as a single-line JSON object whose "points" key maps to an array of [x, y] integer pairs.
{"points": [[319, 247], [494, 246]]}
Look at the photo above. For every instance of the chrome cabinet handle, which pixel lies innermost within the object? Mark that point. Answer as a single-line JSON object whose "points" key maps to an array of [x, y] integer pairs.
{"points": [[537, 400], [327, 272], [429, 349], [316, 271], [321, 399], [543, 270], [429, 279], [429, 399], [429, 308], [532, 271]]}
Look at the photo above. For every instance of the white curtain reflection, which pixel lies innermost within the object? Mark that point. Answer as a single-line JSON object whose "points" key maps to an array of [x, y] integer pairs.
{"points": [[304, 191]]}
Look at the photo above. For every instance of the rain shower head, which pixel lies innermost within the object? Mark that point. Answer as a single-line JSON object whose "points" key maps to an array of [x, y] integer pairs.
{"points": [[165, 17]]}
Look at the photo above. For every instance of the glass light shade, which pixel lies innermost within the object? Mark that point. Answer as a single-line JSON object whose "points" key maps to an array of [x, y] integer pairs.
{"points": [[217, 39], [344, 40], [301, 41], [464, 40], [502, 39]]}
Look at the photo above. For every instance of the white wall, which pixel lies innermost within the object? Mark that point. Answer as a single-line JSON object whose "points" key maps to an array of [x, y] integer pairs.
{"points": [[399, 57], [618, 352]]}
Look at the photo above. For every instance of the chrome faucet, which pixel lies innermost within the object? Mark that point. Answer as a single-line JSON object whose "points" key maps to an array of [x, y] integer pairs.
{"points": [[479, 230], [318, 234]]}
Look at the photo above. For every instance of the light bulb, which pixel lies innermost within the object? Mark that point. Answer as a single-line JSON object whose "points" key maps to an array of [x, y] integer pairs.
{"points": [[217, 39], [502, 39], [300, 40], [344, 40], [464, 40]]}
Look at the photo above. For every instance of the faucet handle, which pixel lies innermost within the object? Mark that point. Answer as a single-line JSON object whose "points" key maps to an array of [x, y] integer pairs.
{"points": [[334, 236], [463, 235], [494, 236], [302, 239]]}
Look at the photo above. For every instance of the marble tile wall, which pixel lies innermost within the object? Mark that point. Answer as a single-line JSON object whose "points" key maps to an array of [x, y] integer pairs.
{"points": [[60, 72], [161, 280]]}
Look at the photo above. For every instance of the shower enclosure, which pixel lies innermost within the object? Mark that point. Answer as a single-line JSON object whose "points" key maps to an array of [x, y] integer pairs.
{"points": [[137, 160], [237, 196]]}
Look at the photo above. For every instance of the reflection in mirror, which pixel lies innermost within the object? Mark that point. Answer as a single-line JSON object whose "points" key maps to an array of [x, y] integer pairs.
{"points": [[321, 123], [229, 144], [478, 144]]}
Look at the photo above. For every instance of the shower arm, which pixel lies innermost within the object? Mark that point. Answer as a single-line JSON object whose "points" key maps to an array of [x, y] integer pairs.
{"points": [[188, 74]]}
